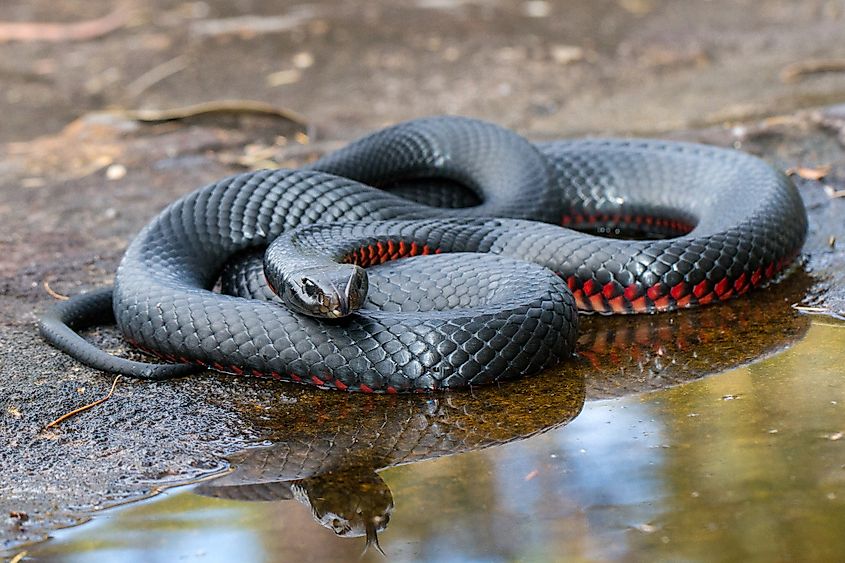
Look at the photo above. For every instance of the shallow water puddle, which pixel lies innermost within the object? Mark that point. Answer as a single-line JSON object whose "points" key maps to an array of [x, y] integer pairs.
{"points": [[748, 464]]}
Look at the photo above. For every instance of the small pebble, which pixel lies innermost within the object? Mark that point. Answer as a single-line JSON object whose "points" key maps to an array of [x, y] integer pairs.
{"points": [[303, 59], [115, 172]]}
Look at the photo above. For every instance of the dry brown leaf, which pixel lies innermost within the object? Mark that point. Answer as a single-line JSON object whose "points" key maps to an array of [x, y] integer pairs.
{"points": [[808, 173]]}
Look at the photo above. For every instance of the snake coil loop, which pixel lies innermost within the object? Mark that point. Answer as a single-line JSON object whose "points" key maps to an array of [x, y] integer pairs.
{"points": [[486, 292]]}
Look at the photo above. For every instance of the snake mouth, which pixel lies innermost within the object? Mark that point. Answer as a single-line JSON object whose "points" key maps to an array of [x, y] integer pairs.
{"points": [[342, 308], [342, 301]]}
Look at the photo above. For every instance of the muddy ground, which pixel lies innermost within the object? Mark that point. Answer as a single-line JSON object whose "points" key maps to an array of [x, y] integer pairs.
{"points": [[78, 182]]}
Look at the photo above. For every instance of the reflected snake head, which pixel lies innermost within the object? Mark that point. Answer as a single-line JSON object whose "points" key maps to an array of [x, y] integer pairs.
{"points": [[330, 292], [352, 502]]}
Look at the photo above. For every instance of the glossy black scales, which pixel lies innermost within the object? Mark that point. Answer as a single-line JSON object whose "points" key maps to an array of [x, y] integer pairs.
{"points": [[736, 223]]}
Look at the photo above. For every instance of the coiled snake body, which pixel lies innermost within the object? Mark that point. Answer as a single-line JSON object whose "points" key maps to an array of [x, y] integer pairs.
{"points": [[451, 319]]}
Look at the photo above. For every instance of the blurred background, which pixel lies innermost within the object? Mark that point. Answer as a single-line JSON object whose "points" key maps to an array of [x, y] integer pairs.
{"points": [[550, 68]]}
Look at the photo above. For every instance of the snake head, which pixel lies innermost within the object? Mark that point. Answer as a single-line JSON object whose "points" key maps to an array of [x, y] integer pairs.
{"points": [[330, 293]]}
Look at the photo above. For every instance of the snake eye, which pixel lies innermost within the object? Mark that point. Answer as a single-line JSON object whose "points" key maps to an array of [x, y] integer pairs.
{"points": [[310, 288]]}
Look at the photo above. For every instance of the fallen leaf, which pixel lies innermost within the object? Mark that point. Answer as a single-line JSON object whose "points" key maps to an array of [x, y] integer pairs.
{"points": [[809, 173]]}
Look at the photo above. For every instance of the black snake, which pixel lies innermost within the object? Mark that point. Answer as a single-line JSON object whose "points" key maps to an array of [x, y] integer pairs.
{"points": [[729, 223]]}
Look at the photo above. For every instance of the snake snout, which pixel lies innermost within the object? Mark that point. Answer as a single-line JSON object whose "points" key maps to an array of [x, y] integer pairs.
{"points": [[331, 292], [355, 289]]}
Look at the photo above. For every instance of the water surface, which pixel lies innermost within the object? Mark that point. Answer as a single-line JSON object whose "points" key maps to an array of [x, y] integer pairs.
{"points": [[748, 464]]}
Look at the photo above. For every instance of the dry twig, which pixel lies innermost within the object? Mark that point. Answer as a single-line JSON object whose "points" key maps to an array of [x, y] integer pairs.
{"points": [[58, 32], [52, 293], [796, 71], [250, 26], [156, 75], [85, 407], [218, 106]]}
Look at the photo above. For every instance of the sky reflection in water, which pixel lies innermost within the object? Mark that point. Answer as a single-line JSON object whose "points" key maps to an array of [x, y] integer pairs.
{"points": [[743, 465]]}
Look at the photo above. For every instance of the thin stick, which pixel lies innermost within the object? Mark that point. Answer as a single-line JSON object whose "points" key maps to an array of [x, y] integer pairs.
{"points": [[214, 107], [52, 293], [58, 32], [796, 71], [86, 407], [156, 75]]}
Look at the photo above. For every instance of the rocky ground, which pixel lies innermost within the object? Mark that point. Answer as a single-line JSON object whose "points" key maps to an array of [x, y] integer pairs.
{"points": [[78, 181]]}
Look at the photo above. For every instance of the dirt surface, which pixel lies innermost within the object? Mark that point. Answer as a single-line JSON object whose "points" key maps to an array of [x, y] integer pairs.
{"points": [[547, 68], [77, 185]]}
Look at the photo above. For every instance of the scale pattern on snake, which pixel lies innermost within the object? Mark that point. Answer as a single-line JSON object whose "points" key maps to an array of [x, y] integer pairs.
{"points": [[733, 223]]}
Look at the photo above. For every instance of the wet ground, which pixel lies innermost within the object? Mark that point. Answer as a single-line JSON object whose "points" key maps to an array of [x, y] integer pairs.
{"points": [[74, 192]]}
